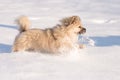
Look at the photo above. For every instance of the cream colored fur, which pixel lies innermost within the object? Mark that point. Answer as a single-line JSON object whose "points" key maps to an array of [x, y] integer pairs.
{"points": [[51, 40]]}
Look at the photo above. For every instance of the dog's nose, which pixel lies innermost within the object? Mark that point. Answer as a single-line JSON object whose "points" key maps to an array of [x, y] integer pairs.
{"points": [[84, 30]]}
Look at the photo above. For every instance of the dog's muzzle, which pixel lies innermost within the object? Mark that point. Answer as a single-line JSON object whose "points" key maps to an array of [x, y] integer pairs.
{"points": [[82, 31]]}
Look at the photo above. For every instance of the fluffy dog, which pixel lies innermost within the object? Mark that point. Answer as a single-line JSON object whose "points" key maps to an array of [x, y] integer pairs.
{"points": [[62, 37]]}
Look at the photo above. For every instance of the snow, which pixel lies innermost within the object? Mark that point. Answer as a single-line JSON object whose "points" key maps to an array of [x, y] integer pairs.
{"points": [[98, 62]]}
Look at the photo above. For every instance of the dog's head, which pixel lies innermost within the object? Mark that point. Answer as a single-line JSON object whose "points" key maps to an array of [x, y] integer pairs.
{"points": [[73, 24]]}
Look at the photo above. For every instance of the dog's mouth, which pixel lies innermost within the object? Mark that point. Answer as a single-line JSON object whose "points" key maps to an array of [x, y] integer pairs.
{"points": [[82, 31]]}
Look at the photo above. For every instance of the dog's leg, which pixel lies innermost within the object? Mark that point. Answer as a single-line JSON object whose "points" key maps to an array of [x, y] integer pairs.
{"points": [[17, 48], [81, 46], [20, 46]]}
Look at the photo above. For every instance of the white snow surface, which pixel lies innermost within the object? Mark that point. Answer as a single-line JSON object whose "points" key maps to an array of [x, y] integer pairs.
{"points": [[101, 18]]}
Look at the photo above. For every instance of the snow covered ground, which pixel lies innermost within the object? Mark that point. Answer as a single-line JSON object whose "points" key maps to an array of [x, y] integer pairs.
{"points": [[101, 62]]}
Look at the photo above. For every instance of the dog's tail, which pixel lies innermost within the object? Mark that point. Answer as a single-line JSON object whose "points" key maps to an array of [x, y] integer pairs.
{"points": [[24, 23]]}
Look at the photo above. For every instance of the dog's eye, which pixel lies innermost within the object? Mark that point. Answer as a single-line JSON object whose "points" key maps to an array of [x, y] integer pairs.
{"points": [[79, 26]]}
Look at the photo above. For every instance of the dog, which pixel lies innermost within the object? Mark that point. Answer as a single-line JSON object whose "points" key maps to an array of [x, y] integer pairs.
{"points": [[62, 37]]}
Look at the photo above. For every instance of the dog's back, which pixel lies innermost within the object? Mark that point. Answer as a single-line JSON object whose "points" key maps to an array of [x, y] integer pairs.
{"points": [[33, 39]]}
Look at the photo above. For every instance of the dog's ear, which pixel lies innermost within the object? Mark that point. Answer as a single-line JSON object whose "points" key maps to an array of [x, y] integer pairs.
{"points": [[75, 20], [70, 20]]}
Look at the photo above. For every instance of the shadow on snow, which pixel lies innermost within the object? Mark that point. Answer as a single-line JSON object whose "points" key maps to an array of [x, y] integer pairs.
{"points": [[107, 41], [5, 48], [8, 26]]}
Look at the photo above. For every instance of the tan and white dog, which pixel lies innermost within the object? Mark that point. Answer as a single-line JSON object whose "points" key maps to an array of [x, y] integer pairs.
{"points": [[63, 37]]}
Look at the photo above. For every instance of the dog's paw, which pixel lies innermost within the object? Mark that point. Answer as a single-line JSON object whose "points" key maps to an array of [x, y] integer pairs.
{"points": [[82, 46]]}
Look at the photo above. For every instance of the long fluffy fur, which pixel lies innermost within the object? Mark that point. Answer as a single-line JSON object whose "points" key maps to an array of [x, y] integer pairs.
{"points": [[50, 40], [24, 23]]}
